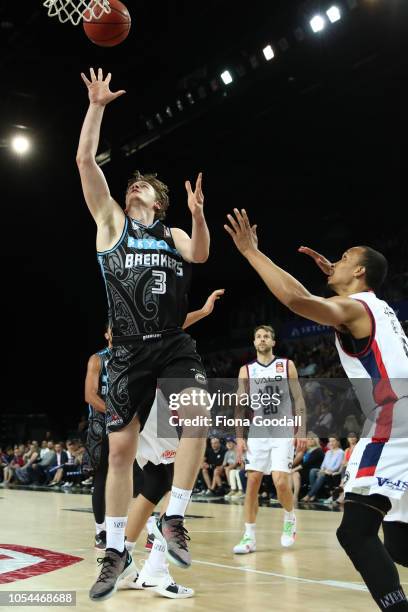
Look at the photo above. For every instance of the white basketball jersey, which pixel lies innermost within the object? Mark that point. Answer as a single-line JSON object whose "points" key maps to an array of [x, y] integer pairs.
{"points": [[386, 354], [384, 359], [268, 379]]}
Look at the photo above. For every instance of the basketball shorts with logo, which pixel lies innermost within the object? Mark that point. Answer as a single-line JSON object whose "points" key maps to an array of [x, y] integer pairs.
{"points": [[379, 463], [270, 455], [158, 442], [135, 367]]}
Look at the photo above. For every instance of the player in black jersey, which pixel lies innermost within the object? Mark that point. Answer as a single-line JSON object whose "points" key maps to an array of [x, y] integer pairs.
{"points": [[97, 444], [146, 268], [149, 483]]}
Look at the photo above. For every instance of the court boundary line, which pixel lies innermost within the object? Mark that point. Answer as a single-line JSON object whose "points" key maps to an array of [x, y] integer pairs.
{"points": [[351, 586]]}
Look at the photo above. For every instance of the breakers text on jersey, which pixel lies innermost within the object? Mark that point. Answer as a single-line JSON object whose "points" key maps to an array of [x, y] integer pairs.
{"points": [[152, 259], [146, 281]]}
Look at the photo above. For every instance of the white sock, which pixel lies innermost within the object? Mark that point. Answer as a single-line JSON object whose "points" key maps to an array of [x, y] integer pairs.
{"points": [[250, 530], [100, 527], [289, 516], [115, 532], [178, 501], [130, 546], [156, 561], [150, 522]]}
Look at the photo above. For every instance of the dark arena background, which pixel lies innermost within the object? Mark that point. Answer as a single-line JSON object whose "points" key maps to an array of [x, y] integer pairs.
{"points": [[312, 142]]}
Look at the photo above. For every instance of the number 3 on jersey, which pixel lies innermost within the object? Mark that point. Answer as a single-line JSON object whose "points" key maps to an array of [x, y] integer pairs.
{"points": [[159, 282]]}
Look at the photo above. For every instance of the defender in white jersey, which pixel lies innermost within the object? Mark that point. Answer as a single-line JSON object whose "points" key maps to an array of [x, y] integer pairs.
{"points": [[379, 464], [270, 447], [372, 345]]}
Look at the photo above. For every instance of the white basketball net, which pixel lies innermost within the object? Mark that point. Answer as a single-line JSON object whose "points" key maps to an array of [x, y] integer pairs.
{"points": [[76, 10]]}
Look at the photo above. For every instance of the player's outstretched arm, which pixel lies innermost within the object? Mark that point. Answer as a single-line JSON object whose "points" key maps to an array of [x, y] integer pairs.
{"points": [[92, 384], [206, 310], [197, 248], [94, 185], [336, 311]]}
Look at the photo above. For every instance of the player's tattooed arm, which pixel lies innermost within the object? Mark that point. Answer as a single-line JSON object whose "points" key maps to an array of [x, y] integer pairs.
{"points": [[206, 310], [337, 311], [92, 384], [197, 248]]}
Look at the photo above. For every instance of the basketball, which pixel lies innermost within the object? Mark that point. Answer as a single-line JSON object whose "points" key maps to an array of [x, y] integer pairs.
{"points": [[109, 29]]}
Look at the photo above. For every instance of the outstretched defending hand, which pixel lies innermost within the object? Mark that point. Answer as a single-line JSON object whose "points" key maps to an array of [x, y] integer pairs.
{"points": [[324, 264], [98, 88], [196, 197], [243, 234], [209, 305]]}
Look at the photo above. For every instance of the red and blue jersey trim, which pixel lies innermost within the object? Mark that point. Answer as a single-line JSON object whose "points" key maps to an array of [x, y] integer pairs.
{"points": [[371, 360], [385, 397]]}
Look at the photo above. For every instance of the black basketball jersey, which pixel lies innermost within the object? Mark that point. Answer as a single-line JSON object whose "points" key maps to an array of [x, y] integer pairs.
{"points": [[146, 280], [103, 355]]}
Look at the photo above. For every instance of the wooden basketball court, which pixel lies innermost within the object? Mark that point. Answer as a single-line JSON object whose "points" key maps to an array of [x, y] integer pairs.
{"points": [[313, 575]]}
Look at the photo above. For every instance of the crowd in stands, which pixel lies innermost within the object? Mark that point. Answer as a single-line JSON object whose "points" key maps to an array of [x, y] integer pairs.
{"points": [[316, 357], [49, 464], [317, 472]]}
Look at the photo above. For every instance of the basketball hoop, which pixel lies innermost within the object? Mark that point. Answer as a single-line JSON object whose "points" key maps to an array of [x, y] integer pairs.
{"points": [[76, 10]]}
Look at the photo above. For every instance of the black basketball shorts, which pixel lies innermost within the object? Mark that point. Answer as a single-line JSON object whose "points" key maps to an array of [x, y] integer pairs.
{"points": [[96, 442], [135, 367]]}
